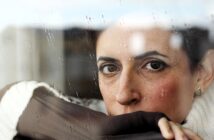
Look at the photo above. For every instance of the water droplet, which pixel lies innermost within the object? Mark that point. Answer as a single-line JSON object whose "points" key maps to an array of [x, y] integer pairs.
{"points": [[77, 94], [212, 17], [162, 93], [120, 2], [61, 59], [70, 128]]}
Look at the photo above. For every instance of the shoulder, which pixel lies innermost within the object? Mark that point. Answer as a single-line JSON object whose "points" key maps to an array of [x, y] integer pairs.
{"points": [[201, 116]]}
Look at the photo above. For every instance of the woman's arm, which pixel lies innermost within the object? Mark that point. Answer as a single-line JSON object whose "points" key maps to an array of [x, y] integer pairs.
{"points": [[14, 99]]}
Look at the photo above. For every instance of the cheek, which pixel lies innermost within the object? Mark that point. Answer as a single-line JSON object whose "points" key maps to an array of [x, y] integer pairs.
{"points": [[163, 96], [165, 89], [107, 95]]}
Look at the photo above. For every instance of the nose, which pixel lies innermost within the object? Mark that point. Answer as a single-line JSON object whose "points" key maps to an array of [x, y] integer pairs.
{"points": [[128, 91]]}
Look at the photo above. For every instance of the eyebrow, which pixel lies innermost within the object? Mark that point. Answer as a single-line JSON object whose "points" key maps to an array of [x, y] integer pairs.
{"points": [[150, 53], [139, 57], [104, 58]]}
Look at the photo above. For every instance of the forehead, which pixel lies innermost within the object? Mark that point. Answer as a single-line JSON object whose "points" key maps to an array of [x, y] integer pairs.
{"points": [[134, 41]]}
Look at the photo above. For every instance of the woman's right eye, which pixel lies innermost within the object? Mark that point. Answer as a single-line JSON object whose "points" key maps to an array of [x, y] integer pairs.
{"points": [[108, 69]]}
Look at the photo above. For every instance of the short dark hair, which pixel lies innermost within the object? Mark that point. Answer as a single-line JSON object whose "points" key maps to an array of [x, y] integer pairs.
{"points": [[195, 44]]}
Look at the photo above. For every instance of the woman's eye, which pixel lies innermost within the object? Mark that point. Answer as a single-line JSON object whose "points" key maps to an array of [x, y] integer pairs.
{"points": [[156, 65], [108, 69]]}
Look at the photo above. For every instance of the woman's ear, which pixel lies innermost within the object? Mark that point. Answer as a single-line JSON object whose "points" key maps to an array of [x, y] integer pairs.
{"points": [[206, 71]]}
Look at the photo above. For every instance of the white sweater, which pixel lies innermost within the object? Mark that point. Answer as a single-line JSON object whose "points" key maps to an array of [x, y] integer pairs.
{"points": [[201, 116]]}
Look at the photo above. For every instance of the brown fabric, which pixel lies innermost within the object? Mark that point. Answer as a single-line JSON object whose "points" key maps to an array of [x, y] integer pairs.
{"points": [[48, 117]]}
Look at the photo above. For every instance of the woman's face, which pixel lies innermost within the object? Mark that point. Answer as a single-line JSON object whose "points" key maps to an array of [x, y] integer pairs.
{"points": [[144, 70]]}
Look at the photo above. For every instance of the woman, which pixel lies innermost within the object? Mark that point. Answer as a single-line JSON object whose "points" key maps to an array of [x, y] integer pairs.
{"points": [[143, 69], [146, 71]]}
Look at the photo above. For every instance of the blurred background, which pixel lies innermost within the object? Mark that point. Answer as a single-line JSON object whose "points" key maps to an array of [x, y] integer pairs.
{"points": [[54, 40]]}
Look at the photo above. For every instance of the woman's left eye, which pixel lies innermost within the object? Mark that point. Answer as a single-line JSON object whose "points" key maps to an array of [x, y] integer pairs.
{"points": [[155, 65]]}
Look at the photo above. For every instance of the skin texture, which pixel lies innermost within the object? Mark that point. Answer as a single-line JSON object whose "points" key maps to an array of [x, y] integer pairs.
{"points": [[160, 81]]}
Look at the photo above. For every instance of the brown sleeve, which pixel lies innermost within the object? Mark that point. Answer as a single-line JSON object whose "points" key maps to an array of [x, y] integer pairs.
{"points": [[48, 117]]}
